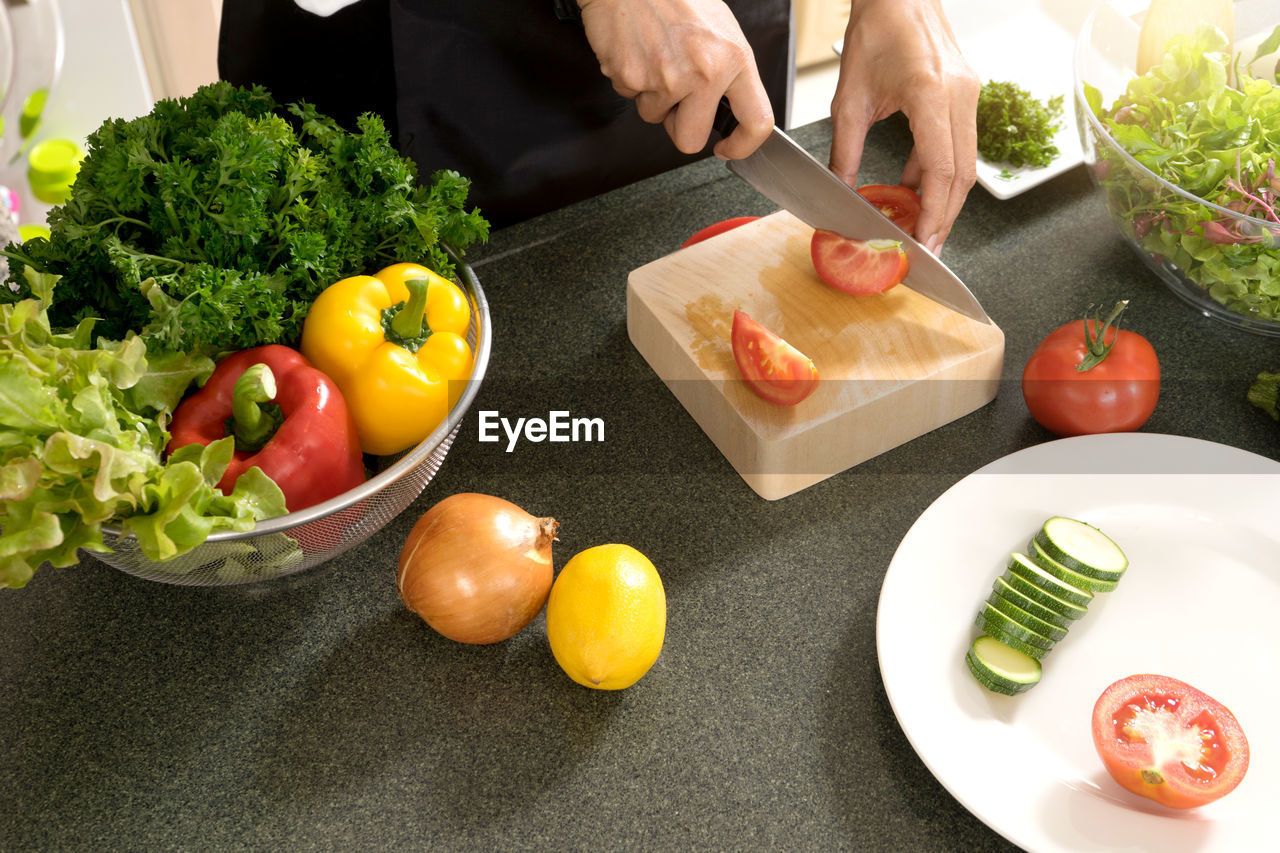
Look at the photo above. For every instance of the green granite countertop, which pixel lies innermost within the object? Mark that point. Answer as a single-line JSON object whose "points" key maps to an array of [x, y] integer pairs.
{"points": [[316, 713]]}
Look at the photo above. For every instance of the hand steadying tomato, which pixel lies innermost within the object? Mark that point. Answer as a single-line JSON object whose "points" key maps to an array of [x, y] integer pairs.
{"points": [[896, 202], [1163, 739], [774, 370], [1092, 378], [857, 266]]}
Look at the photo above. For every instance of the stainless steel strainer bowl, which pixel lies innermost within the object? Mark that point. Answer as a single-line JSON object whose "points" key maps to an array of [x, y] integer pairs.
{"points": [[302, 540]]}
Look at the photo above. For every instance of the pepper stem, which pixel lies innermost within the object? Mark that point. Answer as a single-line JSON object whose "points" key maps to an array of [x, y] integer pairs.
{"points": [[407, 323], [1095, 336], [253, 424]]}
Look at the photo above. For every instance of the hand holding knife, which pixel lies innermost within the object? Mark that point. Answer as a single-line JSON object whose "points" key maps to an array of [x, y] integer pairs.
{"points": [[787, 174]]}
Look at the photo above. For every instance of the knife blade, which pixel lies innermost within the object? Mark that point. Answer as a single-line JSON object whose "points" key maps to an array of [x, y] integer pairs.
{"points": [[788, 175]]}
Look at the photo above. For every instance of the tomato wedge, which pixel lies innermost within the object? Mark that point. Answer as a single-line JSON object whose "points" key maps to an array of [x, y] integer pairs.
{"points": [[774, 369], [857, 266], [896, 202], [718, 228], [1163, 739]]}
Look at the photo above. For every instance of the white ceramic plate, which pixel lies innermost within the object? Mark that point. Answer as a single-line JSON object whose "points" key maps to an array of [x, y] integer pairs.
{"points": [[1199, 602], [1030, 44]]}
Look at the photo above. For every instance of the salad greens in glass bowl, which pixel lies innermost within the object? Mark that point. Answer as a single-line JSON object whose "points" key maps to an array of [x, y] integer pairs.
{"points": [[1187, 154]]}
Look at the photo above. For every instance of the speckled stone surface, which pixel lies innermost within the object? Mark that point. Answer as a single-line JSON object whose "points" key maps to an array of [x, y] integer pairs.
{"points": [[316, 713]]}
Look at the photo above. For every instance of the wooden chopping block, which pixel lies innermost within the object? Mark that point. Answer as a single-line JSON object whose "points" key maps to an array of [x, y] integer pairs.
{"points": [[891, 367]]}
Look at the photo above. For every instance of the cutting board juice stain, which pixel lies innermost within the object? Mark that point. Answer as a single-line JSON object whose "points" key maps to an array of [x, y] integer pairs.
{"points": [[710, 316]]}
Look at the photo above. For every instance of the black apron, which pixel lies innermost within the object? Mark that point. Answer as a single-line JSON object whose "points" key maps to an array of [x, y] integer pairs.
{"points": [[498, 90]]}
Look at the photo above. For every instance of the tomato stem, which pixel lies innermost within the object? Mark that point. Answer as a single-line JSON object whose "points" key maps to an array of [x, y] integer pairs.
{"points": [[1095, 336]]}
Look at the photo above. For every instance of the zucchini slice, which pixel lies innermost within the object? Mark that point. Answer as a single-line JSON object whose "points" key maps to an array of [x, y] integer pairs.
{"points": [[1067, 575], [1048, 590], [990, 621], [991, 629], [1025, 619], [1001, 668], [1005, 590], [1082, 548], [1030, 569]]}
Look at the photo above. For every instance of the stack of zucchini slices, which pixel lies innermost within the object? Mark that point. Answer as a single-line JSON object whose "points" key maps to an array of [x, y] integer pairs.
{"points": [[1036, 600]]}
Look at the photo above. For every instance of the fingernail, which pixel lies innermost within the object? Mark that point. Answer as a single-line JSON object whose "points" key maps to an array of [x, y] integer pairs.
{"points": [[933, 244]]}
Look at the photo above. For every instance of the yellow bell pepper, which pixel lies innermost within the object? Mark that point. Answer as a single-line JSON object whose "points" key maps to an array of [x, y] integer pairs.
{"points": [[395, 344]]}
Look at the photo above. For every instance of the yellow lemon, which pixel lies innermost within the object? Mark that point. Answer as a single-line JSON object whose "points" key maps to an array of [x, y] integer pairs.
{"points": [[607, 616]]}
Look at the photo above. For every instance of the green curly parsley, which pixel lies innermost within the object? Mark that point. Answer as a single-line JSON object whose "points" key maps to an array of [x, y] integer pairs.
{"points": [[1014, 127], [215, 220]]}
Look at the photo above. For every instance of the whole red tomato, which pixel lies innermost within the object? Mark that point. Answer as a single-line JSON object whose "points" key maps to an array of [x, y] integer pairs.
{"points": [[1165, 740], [717, 228], [1090, 377]]}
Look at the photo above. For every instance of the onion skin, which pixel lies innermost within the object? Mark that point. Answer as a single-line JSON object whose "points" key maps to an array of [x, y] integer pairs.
{"points": [[477, 568]]}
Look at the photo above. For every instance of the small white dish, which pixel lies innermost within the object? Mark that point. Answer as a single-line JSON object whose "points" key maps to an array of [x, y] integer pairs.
{"points": [[1030, 44]]}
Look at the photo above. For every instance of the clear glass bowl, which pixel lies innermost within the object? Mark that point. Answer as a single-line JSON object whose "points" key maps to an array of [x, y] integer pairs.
{"points": [[1215, 279], [7, 57], [31, 51]]}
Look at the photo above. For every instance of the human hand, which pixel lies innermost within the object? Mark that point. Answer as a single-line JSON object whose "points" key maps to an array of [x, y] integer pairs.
{"points": [[902, 55], [676, 59]]}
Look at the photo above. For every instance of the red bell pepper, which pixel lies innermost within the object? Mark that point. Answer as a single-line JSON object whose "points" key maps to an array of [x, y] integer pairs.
{"points": [[288, 419]]}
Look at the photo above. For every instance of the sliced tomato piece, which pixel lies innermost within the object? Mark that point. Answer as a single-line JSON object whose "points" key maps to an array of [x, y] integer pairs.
{"points": [[718, 228], [896, 202], [857, 266], [1163, 739], [774, 369]]}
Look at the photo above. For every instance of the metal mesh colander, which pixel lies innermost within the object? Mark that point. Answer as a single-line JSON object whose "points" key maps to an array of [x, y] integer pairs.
{"points": [[301, 540]]}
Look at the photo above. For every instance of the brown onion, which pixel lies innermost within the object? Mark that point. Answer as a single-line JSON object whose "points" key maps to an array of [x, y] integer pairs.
{"points": [[477, 568]]}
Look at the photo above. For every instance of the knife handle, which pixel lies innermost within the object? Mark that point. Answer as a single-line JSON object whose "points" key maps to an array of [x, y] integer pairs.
{"points": [[724, 123]]}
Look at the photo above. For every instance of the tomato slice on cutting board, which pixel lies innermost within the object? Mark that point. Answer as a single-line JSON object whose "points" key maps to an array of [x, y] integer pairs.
{"points": [[896, 202], [718, 228], [774, 369], [1165, 740], [857, 266]]}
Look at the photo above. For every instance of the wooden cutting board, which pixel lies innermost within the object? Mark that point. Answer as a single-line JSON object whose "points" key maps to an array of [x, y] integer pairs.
{"points": [[891, 367]]}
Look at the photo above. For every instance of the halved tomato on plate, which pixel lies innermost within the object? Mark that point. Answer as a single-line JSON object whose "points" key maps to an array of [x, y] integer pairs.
{"points": [[896, 202], [774, 369], [857, 266], [1165, 740]]}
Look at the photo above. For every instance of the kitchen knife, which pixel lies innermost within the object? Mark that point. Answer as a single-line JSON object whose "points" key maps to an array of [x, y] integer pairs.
{"points": [[785, 173]]}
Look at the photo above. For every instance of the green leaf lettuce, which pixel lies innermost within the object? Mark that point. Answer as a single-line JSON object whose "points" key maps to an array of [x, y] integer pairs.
{"points": [[82, 439]]}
